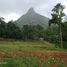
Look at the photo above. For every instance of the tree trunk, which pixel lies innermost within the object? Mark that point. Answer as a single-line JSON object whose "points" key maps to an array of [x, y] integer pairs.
{"points": [[60, 34]]}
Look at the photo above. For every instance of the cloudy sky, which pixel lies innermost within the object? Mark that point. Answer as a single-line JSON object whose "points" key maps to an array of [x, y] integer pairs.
{"points": [[13, 9]]}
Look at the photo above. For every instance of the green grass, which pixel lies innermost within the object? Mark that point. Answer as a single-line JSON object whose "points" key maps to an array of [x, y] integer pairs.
{"points": [[28, 45]]}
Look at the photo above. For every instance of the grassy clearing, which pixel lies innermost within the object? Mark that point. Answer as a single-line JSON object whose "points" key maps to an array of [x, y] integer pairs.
{"points": [[28, 45]]}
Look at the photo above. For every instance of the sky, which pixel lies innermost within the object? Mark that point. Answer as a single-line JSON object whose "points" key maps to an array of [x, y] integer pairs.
{"points": [[13, 9]]}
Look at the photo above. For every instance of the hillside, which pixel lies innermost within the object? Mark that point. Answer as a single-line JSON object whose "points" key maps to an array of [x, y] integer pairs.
{"points": [[32, 18]]}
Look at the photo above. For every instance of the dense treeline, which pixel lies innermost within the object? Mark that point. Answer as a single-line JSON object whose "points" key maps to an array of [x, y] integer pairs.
{"points": [[32, 32], [11, 31]]}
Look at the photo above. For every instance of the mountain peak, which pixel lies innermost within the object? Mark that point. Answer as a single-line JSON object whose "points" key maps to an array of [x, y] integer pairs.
{"points": [[31, 10], [32, 18]]}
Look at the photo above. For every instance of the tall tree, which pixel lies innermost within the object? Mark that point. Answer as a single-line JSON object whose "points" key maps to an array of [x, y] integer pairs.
{"points": [[2, 27], [57, 19]]}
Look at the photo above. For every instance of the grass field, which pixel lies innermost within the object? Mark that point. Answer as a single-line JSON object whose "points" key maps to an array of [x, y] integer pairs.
{"points": [[28, 45], [31, 54]]}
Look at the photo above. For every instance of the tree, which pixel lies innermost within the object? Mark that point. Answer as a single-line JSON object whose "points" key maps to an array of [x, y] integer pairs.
{"points": [[12, 31], [2, 27], [57, 19], [31, 32]]}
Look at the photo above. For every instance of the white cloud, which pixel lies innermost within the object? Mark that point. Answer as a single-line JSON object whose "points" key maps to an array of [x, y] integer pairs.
{"points": [[12, 9], [11, 16]]}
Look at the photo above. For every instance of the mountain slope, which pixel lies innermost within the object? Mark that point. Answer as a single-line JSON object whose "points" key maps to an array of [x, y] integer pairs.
{"points": [[32, 18]]}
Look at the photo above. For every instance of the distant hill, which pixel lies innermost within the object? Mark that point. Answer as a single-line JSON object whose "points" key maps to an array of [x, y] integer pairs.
{"points": [[32, 18]]}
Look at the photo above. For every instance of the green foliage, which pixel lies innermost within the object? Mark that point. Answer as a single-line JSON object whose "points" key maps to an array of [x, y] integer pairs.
{"points": [[32, 32], [28, 32], [57, 16], [12, 31], [60, 65], [64, 31], [9, 30], [2, 27]]}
